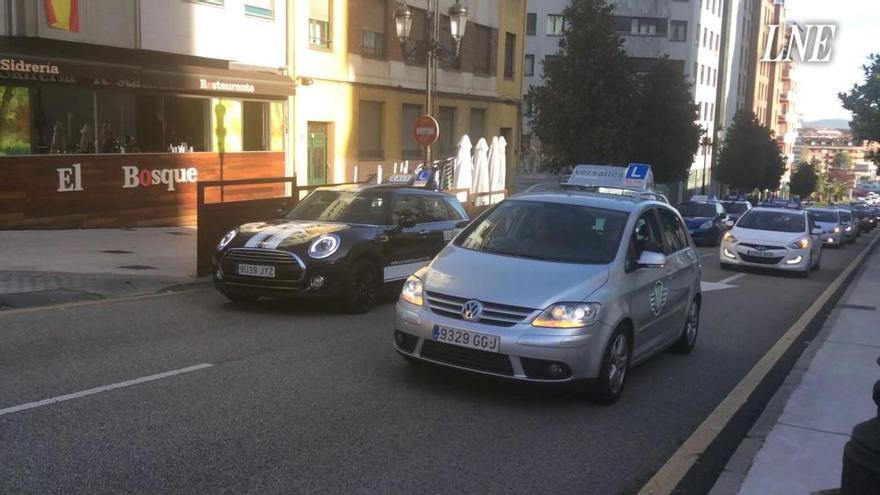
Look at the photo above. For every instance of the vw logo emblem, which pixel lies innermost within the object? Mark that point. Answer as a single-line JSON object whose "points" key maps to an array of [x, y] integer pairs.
{"points": [[471, 310]]}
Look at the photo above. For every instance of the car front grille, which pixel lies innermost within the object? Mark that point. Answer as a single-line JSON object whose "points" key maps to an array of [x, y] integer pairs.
{"points": [[761, 261], [501, 315], [289, 269], [761, 247], [467, 358]]}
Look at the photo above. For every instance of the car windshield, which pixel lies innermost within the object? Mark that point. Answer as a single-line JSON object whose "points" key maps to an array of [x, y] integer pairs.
{"points": [[693, 210], [774, 221], [845, 216], [368, 208], [824, 216], [547, 231], [735, 208]]}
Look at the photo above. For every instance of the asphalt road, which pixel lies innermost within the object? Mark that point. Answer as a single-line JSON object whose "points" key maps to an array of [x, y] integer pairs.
{"points": [[301, 399]]}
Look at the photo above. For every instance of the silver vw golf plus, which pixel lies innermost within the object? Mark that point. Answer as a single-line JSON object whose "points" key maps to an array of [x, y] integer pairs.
{"points": [[576, 285]]}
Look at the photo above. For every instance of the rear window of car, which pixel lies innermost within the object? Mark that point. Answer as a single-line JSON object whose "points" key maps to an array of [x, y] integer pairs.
{"points": [[824, 216], [694, 210], [547, 231], [774, 221]]}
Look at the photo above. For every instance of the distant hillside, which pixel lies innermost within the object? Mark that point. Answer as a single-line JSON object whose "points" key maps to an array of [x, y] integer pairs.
{"points": [[830, 123]]}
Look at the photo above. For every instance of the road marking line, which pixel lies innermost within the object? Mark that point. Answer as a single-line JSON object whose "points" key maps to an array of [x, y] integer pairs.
{"points": [[670, 475], [707, 254], [732, 278], [98, 390], [92, 302]]}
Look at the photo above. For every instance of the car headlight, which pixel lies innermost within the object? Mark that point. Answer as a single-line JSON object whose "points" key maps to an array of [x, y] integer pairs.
{"points": [[802, 243], [728, 237], [849, 228], [568, 315], [324, 246], [706, 225], [836, 230], [412, 291], [226, 239]]}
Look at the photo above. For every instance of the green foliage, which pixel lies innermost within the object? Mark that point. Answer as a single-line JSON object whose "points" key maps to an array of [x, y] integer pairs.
{"points": [[803, 182], [749, 157], [583, 112], [864, 103], [665, 133], [842, 159]]}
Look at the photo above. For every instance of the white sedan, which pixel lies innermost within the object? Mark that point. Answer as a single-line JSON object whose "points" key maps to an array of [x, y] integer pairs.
{"points": [[777, 238]]}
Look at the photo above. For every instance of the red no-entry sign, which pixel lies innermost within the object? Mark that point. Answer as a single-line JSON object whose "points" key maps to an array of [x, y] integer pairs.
{"points": [[426, 130]]}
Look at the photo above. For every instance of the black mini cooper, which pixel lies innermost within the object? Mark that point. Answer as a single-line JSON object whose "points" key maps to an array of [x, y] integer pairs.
{"points": [[339, 242]]}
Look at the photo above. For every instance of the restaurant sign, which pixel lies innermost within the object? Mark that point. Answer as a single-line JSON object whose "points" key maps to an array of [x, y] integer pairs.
{"points": [[70, 178]]}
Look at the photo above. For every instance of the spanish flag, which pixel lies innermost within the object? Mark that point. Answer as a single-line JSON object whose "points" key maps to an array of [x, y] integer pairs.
{"points": [[63, 14]]}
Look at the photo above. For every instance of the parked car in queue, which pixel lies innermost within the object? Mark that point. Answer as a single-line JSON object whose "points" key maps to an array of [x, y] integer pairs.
{"points": [[340, 243]]}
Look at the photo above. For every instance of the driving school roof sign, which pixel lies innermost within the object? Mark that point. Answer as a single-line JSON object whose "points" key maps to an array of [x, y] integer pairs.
{"points": [[637, 176]]}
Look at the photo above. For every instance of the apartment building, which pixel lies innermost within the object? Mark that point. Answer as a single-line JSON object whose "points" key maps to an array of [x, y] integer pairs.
{"points": [[99, 94], [360, 91], [688, 31]]}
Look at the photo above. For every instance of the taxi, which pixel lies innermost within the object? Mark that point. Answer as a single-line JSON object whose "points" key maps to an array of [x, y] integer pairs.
{"points": [[573, 286], [340, 243]]}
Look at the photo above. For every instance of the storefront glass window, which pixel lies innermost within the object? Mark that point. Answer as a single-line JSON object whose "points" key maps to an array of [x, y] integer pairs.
{"points": [[64, 120], [254, 120], [188, 123], [226, 123], [149, 115], [276, 122], [117, 131], [15, 117]]}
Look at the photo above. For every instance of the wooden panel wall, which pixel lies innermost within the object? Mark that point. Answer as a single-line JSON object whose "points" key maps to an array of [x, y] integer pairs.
{"points": [[29, 197]]}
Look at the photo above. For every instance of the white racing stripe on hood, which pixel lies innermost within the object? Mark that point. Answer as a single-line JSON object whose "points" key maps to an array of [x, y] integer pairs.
{"points": [[259, 237], [282, 232]]}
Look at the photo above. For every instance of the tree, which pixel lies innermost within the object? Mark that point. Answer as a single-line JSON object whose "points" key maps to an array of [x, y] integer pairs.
{"points": [[864, 103], [803, 182], [749, 157], [664, 132], [582, 112], [843, 160]]}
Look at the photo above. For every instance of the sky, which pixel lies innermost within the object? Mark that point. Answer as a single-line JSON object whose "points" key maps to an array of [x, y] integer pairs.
{"points": [[858, 35]]}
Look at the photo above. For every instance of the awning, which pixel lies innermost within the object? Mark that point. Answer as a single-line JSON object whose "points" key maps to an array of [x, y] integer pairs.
{"points": [[19, 64]]}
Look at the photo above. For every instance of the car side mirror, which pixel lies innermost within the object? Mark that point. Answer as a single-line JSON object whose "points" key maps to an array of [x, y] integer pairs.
{"points": [[728, 223], [817, 231], [651, 259]]}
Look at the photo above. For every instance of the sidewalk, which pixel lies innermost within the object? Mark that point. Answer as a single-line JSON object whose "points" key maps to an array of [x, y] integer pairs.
{"points": [[796, 447], [53, 266]]}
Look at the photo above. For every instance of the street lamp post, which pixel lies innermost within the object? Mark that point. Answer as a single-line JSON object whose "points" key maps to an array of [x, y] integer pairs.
{"points": [[431, 48], [707, 145]]}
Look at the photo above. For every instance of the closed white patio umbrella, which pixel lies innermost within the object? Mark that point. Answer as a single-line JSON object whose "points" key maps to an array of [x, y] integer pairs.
{"points": [[481, 172], [463, 167], [497, 167]]}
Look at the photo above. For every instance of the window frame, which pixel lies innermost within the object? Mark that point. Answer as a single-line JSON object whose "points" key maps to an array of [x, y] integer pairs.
{"points": [[380, 151], [258, 14], [529, 65], [531, 24], [557, 21], [323, 44]]}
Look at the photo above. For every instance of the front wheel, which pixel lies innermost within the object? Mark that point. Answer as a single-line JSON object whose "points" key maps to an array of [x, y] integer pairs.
{"points": [[688, 338], [615, 365], [362, 287]]}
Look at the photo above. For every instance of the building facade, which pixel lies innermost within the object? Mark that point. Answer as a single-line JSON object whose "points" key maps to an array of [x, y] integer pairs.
{"points": [[688, 31], [359, 91], [112, 109]]}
